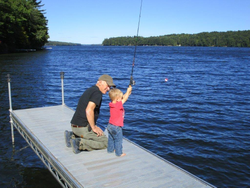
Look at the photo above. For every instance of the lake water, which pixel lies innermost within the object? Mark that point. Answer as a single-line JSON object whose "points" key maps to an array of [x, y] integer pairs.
{"points": [[199, 119]]}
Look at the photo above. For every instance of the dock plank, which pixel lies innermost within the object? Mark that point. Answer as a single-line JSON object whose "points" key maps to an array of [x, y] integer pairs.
{"points": [[139, 168]]}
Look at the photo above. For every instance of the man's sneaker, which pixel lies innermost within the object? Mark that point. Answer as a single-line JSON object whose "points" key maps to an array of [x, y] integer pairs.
{"points": [[75, 145], [67, 137]]}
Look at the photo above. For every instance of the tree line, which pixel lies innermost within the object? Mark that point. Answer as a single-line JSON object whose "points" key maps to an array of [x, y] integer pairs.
{"points": [[217, 39], [22, 25], [57, 43]]}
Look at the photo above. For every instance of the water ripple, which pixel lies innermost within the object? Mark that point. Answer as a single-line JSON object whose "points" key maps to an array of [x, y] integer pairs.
{"points": [[199, 119]]}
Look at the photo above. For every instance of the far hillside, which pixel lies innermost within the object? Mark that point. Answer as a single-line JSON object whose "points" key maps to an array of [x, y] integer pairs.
{"points": [[218, 39], [57, 43]]}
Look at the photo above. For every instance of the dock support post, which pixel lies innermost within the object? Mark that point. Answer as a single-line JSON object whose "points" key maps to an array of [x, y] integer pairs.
{"points": [[10, 102], [62, 77]]}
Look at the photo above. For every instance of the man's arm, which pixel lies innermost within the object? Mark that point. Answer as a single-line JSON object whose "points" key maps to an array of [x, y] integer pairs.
{"points": [[91, 118]]}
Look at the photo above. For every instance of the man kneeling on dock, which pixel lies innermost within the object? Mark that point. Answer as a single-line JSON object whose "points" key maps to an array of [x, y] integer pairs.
{"points": [[85, 134]]}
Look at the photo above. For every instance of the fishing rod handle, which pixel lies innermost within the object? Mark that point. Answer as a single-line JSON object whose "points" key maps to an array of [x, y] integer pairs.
{"points": [[132, 82]]}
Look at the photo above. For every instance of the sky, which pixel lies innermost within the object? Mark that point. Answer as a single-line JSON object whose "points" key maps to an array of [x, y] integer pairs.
{"points": [[92, 21]]}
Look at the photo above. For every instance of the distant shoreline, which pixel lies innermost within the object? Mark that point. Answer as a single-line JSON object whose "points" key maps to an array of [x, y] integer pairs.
{"points": [[205, 39]]}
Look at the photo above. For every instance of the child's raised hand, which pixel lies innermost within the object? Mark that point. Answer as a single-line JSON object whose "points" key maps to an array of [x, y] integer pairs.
{"points": [[129, 90]]}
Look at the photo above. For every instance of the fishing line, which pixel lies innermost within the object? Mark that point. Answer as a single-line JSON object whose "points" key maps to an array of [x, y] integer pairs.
{"points": [[132, 82]]}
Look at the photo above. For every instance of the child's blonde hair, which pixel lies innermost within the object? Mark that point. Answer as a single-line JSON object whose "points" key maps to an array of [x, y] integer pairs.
{"points": [[115, 93]]}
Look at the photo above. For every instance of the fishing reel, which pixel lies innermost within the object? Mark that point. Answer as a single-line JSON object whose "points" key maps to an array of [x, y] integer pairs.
{"points": [[132, 81]]}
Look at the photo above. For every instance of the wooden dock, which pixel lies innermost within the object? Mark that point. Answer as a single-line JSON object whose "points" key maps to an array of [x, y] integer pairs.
{"points": [[43, 129]]}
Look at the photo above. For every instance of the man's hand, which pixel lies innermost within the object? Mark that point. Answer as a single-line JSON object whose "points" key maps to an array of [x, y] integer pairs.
{"points": [[97, 130]]}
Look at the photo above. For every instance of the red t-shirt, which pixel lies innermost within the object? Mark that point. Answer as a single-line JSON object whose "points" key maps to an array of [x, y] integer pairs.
{"points": [[117, 113]]}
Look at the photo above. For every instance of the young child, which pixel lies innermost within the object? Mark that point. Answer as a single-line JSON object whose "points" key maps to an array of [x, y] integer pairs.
{"points": [[116, 119]]}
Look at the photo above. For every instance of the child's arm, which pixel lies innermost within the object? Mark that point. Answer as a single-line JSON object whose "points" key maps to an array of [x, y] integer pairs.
{"points": [[126, 95]]}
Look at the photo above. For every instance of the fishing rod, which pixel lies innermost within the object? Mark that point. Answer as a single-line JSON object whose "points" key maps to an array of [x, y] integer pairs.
{"points": [[132, 82]]}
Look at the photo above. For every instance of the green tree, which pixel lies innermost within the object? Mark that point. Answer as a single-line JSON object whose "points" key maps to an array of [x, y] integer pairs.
{"points": [[230, 39], [23, 25]]}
